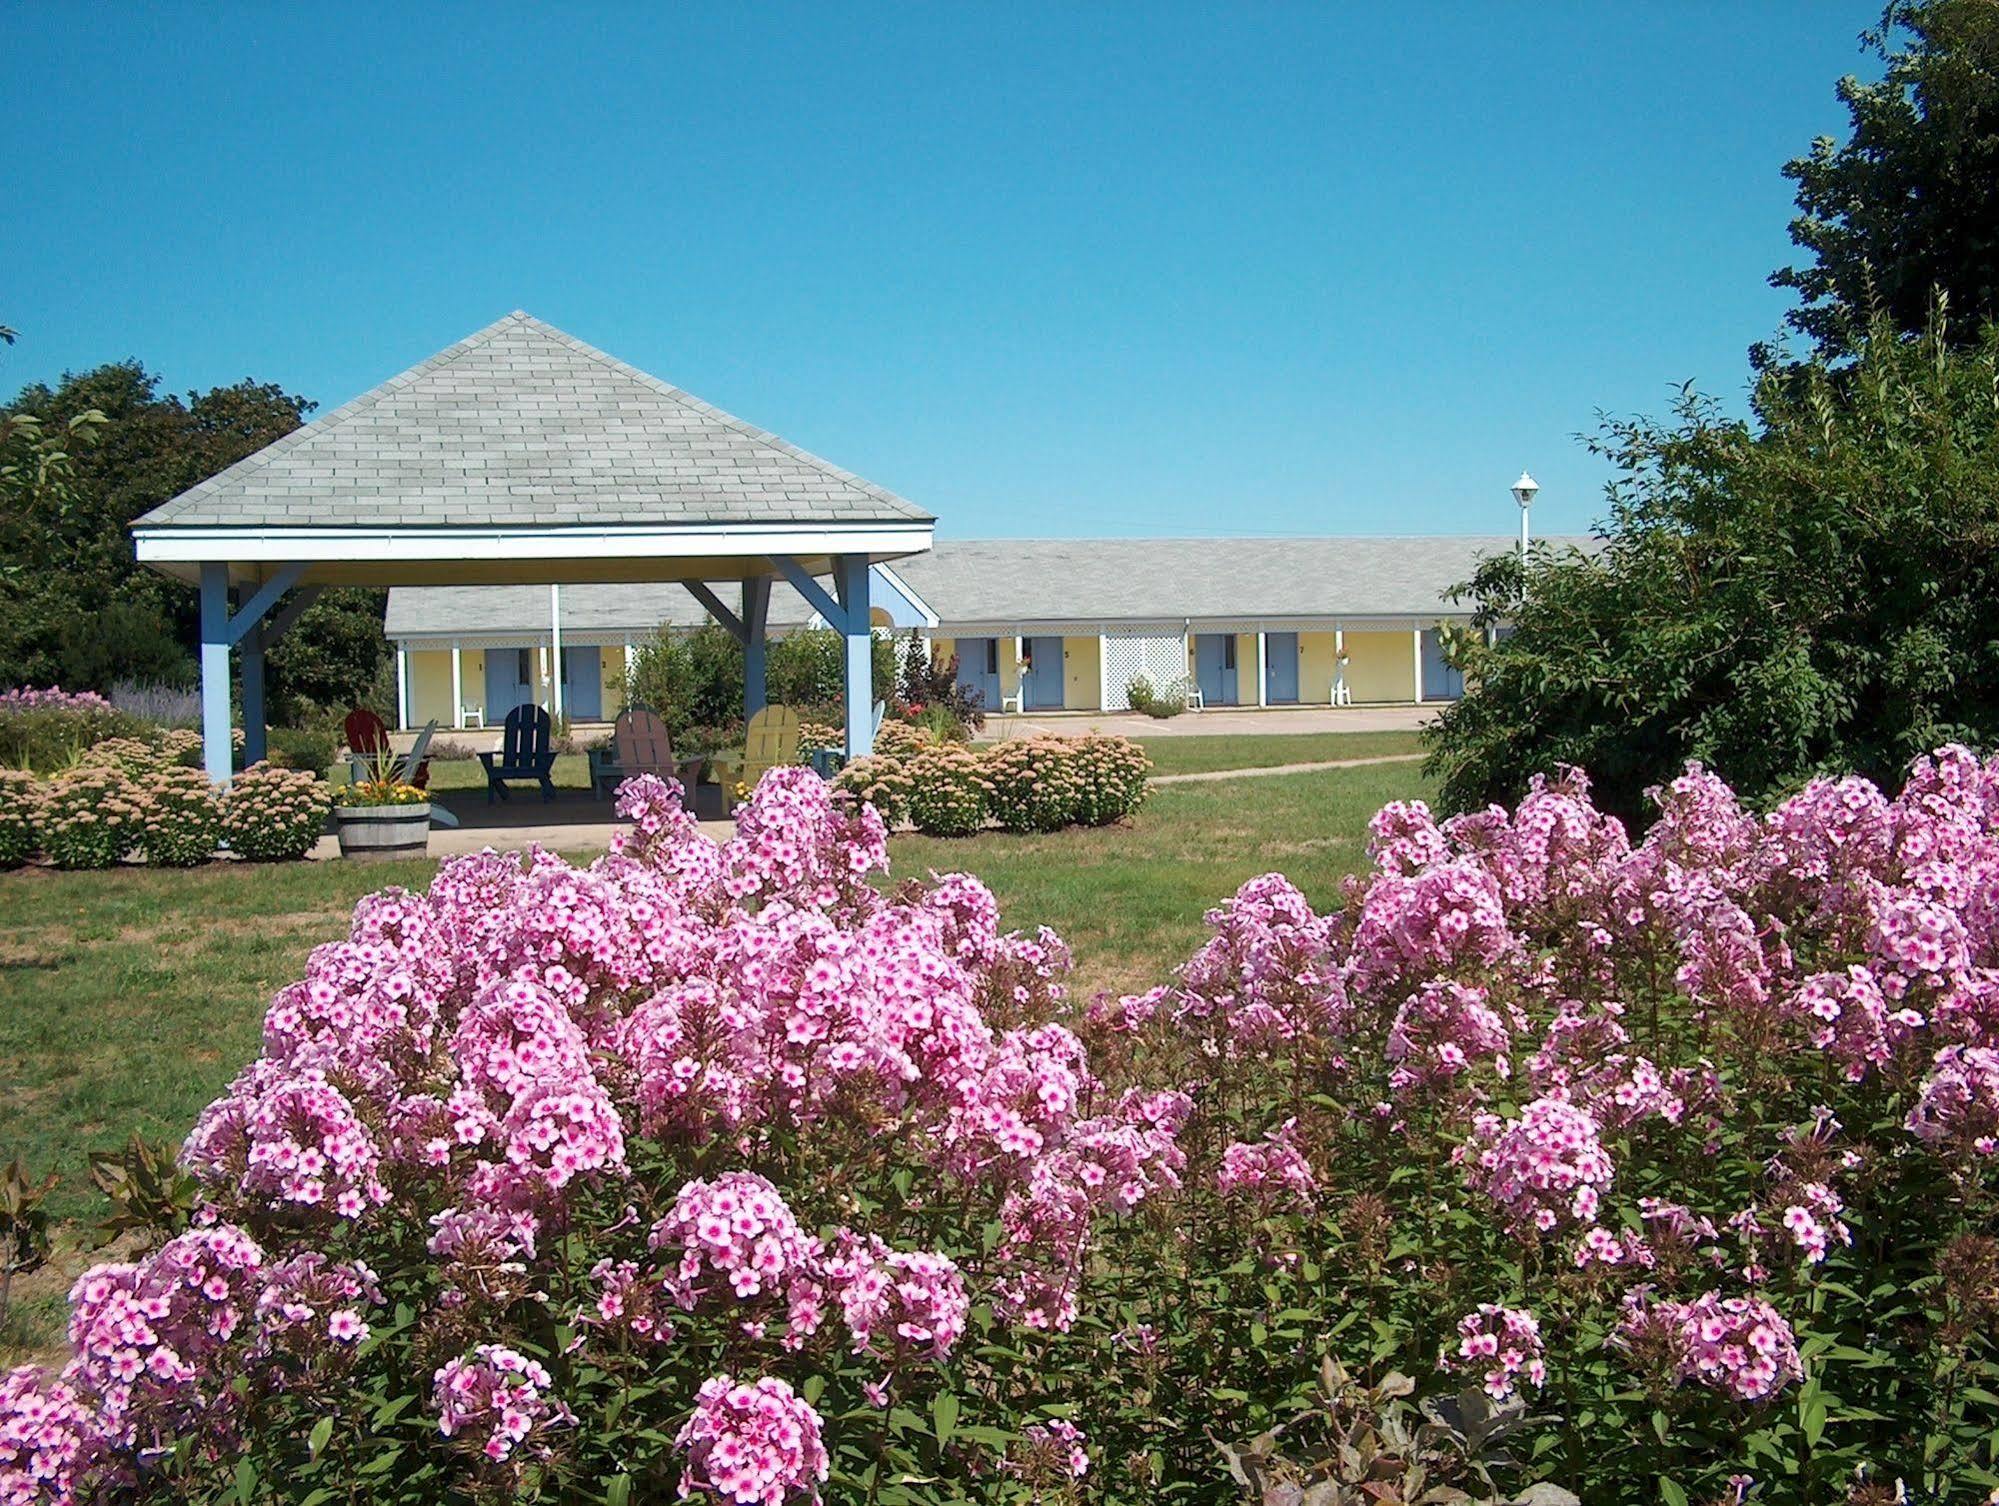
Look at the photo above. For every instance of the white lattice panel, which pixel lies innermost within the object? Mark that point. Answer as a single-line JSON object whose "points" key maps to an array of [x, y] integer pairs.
{"points": [[1160, 657]]}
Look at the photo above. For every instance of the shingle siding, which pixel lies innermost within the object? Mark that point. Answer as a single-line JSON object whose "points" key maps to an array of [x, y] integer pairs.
{"points": [[521, 424]]}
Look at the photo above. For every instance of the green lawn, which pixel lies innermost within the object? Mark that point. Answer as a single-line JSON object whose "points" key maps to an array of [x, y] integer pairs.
{"points": [[572, 771], [1196, 755], [128, 999]]}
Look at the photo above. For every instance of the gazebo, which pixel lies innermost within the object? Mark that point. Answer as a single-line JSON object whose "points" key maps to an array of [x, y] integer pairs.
{"points": [[522, 455]]}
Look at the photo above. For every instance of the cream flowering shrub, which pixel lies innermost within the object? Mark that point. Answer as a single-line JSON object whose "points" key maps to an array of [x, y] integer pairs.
{"points": [[1032, 784], [178, 817], [949, 791], [272, 815], [89, 816], [20, 808]]}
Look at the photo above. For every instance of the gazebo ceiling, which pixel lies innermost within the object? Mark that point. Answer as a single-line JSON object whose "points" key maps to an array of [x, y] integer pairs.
{"points": [[522, 454]]}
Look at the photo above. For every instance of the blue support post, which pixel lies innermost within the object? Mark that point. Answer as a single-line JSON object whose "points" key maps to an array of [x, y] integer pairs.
{"points": [[850, 577], [216, 754], [756, 614], [255, 730]]}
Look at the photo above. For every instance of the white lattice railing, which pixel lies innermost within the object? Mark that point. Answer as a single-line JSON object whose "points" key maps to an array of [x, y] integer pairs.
{"points": [[1160, 657]]}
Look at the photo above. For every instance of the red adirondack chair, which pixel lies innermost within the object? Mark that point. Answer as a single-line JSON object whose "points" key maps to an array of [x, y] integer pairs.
{"points": [[368, 740]]}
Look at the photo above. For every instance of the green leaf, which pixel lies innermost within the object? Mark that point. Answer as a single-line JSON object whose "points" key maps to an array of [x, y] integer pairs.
{"points": [[316, 1440], [246, 1480], [944, 1415], [1670, 1491], [619, 1491]]}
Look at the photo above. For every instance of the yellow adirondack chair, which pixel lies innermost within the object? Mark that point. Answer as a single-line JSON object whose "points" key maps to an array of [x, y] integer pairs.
{"points": [[770, 742]]}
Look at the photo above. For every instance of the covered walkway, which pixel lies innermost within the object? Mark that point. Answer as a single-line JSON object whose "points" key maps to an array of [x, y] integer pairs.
{"points": [[523, 456]]}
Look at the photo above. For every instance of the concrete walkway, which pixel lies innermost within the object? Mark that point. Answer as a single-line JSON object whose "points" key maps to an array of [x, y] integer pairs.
{"points": [[575, 825], [1208, 776], [1230, 721]]}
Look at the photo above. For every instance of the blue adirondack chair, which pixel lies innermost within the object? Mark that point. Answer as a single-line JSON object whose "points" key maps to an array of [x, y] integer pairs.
{"points": [[527, 751]]}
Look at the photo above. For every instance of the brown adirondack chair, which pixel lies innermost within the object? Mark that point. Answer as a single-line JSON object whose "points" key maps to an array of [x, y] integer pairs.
{"points": [[640, 745], [770, 742]]}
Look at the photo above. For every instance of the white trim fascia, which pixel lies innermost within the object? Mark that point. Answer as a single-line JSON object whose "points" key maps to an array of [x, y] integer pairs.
{"points": [[162, 545], [1175, 626]]}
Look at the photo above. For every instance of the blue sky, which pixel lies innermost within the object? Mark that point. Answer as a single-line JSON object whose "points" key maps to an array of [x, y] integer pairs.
{"points": [[1045, 270]]}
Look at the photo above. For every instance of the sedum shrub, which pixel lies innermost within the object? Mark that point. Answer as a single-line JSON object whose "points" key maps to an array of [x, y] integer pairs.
{"points": [[948, 789], [20, 805], [274, 815], [705, 1169], [880, 781], [179, 817], [1111, 773], [146, 752], [1033, 783], [89, 816]]}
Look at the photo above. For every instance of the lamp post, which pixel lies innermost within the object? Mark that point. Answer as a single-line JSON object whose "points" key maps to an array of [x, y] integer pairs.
{"points": [[1523, 493]]}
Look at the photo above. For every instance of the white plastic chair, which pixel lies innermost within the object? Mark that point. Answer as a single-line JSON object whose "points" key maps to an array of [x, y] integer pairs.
{"points": [[1014, 700], [472, 716], [1195, 702]]}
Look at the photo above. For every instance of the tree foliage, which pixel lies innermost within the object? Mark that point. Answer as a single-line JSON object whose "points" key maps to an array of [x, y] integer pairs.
{"points": [[1909, 202], [76, 608], [1813, 591]]}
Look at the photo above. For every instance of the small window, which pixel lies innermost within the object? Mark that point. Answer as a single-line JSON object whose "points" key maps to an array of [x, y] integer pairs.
{"points": [[524, 666], [992, 656], [1228, 652]]}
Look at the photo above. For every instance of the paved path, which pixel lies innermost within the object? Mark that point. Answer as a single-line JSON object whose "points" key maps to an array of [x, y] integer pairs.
{"points": [[1210, 775], [1221, 721], [587, 831]]}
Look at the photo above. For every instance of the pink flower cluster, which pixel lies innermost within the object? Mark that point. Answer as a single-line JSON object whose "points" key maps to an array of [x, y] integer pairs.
{"points": [[1739, 1346], [1546, 1168], [1504, 1343], [757, 1444], [1269, 1172], [734, 1240], [55, 698], [495, 1398], [49, 1439], [899, 1303]]}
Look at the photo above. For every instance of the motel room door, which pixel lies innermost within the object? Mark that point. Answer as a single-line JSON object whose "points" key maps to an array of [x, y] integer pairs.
{"points": [[583, 684], [1441, 682], [509, 681], [978, 669], [1041, 679], [1280, 654], [1215, 668]]}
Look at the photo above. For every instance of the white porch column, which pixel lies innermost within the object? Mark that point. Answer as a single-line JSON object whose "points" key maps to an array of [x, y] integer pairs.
{"points": [[1262, 669], [555, 649], [217, 756], [402, 688], [1416, 651], [457, 685]]}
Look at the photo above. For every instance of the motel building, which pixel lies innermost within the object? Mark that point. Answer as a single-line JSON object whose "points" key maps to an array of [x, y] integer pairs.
{"points": [[1036, 625]]}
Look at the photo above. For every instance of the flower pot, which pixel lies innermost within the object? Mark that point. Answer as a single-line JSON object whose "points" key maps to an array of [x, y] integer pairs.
{"points": [[383, 831]]}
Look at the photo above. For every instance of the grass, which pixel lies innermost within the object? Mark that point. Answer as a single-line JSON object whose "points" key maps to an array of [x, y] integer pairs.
{"points": [[129, 999], [571, 771], [1198, 755]]}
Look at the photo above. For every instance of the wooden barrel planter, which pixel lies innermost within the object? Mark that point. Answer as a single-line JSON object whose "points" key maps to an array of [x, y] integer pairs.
{"points": [[382, 831]]}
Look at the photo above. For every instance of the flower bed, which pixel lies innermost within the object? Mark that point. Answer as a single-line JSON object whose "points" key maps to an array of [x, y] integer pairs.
{"points": [[274, 815], [1031, 784], [44, 729], [1656, 1170]]}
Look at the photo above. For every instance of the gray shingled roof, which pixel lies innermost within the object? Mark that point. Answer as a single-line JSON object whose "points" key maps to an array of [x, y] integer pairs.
{"points": [[1005, 582], [523, 425]]}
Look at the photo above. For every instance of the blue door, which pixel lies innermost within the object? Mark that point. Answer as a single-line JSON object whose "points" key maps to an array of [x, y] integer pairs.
{"points": [[1041, 677], [978, 669], [1280, 659], [509, 681], [1440, 681], [583, 684], [1215, 668]]}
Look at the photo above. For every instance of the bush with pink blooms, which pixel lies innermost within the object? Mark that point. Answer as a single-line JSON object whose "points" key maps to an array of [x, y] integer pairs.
{"points": [[1657, 1169]]}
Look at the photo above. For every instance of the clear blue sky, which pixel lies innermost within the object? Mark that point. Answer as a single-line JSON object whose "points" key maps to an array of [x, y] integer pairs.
{"points": [[1045, 270]]}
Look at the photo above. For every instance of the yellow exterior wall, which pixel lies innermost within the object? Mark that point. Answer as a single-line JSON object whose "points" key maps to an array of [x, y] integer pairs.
{"points": [[611, 667], [942, 650], [430, 687], [1381, 666], [1082, 674], [1317, 664], [1009, 661], [1245, 669]]}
